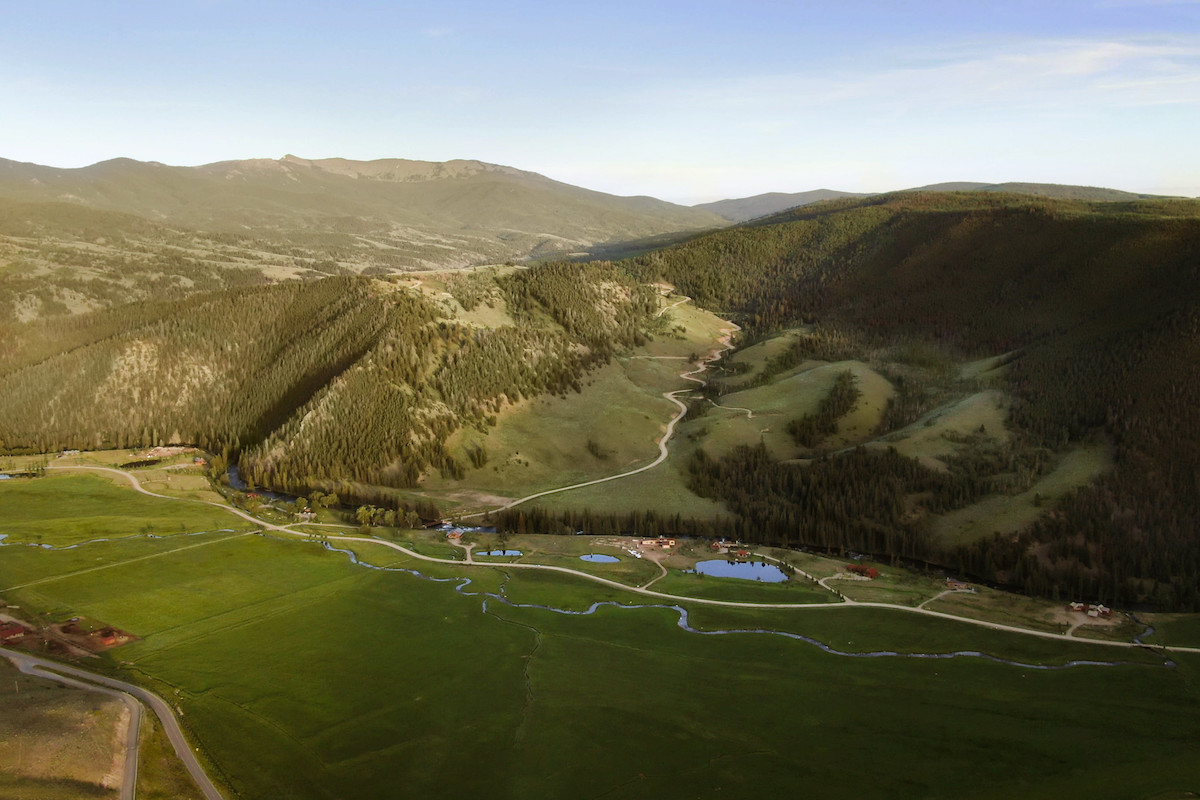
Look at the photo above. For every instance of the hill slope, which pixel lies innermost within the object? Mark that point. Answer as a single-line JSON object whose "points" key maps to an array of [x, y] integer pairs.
{"points": [[760, 205], [1098, 305], [392, 212], [1057, 191]]}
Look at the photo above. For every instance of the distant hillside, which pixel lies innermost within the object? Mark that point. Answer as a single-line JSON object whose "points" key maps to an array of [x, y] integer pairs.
{"points": [[1097, 305], [760, 205], [318, 382], [1053, 190], [391, 213]]}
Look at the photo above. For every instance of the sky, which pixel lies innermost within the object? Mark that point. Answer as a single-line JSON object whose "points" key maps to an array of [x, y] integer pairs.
{"points": [[686, 101]]}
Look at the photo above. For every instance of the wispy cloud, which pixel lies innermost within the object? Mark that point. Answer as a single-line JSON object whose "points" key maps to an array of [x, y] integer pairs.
{"points": [[1048, 74]]}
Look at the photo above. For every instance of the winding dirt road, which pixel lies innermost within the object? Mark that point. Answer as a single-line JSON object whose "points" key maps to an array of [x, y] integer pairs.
{"points": [[663, 452]]}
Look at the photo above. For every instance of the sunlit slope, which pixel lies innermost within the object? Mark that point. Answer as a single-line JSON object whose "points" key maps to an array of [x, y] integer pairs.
{"points": [[1090, 313], [413, 213], [344, 383]]}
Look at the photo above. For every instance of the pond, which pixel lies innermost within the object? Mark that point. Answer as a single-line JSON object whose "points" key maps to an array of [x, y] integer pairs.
{"points": [[746, 570], [499, 553], [599, 558], [235, 480]]}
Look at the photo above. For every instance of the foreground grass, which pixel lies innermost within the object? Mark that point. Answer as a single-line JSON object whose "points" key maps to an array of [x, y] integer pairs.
{"points": [[794, 590], [302, 675], [61, 509], [58, 742]]}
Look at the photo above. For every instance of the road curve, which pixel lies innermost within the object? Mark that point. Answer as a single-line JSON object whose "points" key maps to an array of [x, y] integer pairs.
{"points": [[129, 694], [662, 443]]}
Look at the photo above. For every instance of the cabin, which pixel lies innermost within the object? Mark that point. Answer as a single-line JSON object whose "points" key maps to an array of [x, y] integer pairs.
{"points": [[454, 536], [870, 573], [957, 585], [1092, 610], [661, 542], [11, 631]]}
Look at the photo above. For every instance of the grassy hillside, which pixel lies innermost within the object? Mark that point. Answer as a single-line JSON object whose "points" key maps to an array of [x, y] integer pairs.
{"points": [[388, 214], [348, 384], [760, 205], [1097, 306]]}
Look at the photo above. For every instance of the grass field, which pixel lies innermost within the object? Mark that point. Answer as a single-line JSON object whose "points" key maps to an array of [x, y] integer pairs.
{"points": [[59, 743], [61, 509], [303, 675], [893, 585], [756, 356], [1009, 514], [941, 431], [796, 590], [364, 684], [613, 426], [1173, 629]]}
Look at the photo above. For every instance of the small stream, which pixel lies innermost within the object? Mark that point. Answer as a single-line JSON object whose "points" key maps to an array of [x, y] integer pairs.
{"points": [[684, 623]]}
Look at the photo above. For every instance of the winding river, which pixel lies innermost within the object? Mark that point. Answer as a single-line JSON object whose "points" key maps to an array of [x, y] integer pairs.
{"points": [[461, 585]]}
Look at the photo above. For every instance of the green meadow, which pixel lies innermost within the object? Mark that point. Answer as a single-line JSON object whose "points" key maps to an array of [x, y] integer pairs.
{"points": [[303, 675], [63, 509]]}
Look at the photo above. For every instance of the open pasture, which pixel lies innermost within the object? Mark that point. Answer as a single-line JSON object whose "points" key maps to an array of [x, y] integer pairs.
{"points": [[63, 509], [1011, 513], [363, 681], [612, 426], [59, 743]]}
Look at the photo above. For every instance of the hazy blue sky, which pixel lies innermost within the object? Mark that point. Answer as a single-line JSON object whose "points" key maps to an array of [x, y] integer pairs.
{"points": [[688, 101]]}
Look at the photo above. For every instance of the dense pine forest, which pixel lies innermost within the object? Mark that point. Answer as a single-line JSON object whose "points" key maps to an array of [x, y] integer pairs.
{"points": [[354, 384], [342, 383], [1098, 305]]}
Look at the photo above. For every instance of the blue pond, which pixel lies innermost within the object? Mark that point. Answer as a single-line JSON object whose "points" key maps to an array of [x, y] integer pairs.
{"points": [[598, 558], [499, 553], [747, 570]]}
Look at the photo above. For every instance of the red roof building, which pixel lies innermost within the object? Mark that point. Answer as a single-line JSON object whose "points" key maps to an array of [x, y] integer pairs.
{"points": [[10, 631]]}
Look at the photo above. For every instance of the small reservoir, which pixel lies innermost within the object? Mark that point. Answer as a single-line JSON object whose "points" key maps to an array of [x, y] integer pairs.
{"points": [[499, 553], [746, 570], [599, 558]]}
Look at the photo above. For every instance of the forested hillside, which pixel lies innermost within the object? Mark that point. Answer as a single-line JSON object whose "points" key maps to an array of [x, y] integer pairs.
{"points": [[326, 383], [1099, 305]]}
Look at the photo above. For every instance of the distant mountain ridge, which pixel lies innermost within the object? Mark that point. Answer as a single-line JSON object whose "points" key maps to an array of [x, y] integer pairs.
{"points": [[414, 213], [744, 209], [1059, 191], [761, 205]]}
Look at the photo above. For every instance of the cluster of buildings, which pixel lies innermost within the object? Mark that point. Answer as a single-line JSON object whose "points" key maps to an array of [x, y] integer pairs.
{"points": [[11, 632], [1092, 610], [661, 542]]}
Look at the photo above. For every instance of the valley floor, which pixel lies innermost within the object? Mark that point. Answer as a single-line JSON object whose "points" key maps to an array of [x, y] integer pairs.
{"points": [[259, 641]]}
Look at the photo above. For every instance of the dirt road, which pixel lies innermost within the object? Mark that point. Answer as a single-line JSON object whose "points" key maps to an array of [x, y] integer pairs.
{"points": [[133, 697]]}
